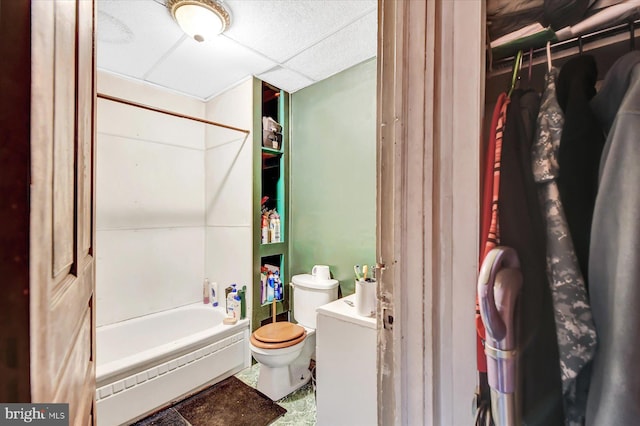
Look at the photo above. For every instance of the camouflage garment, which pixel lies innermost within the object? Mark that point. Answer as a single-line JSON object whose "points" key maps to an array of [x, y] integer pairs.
{"points": [[574, 322]]}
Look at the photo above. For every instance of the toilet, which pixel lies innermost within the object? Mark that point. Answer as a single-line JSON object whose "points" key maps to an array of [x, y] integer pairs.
{"points": [[284, 349]]}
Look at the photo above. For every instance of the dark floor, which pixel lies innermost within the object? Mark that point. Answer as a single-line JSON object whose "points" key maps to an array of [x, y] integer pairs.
{"points": [[167, 417]]}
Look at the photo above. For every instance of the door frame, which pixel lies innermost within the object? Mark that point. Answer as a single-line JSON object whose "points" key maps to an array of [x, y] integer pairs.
{"points": [[430, 106]]}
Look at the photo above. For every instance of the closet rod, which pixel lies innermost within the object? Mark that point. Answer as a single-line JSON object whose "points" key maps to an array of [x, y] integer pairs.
{"points": [[606, 36], [175, 114]]}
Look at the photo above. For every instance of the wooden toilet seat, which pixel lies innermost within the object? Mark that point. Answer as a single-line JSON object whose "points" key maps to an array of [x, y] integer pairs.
{"points": [[278, 335]]}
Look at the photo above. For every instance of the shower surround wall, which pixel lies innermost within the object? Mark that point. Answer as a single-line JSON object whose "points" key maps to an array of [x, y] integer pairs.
{"points": [[150, 202], [173, 198], [228, 189]]}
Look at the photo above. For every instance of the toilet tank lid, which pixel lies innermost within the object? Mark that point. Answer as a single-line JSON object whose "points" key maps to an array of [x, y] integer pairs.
{"points": [[309, 281]]}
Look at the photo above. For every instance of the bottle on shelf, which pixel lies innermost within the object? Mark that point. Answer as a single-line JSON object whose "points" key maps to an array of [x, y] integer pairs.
{"points": [[227, 292], [277, 286], [242, 293], [272, 228], [233, 303], [270, 287], [276, 232], [264, 229], [214, 294], [263, 284]]}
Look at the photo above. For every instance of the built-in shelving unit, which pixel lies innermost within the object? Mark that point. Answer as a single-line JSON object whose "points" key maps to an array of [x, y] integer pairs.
{"points": [[270, 193]]}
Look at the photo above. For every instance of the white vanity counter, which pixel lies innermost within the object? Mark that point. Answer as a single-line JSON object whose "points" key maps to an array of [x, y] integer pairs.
{"points": [[346, 384]]}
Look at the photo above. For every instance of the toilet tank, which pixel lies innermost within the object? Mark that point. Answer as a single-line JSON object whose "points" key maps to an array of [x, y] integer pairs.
{"points": [[308, 294]]}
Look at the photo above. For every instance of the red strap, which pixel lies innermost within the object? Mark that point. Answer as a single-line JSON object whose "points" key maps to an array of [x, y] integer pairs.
{"points": [[489, 225]]}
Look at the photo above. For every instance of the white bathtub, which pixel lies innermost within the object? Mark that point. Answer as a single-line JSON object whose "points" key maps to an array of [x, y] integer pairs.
{"points": [[146, 363]]}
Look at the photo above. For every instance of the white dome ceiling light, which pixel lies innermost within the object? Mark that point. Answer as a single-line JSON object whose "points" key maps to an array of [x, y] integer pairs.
{"points": [[200, 19]]}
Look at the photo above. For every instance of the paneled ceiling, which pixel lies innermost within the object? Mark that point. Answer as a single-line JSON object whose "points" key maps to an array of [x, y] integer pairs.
{"points": [[288, 43]]}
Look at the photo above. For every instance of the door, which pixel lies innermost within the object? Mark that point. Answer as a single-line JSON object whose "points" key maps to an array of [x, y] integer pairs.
{"points": [[61, 252], [430, 76]]}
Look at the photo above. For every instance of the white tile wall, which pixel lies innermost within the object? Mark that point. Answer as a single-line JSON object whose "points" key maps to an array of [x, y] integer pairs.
{"points": [[228, 189], [150, 203], [158, 187], [233, 107], [147, 270], [229, 184], [228, 258], [144, 125], [216, 136], [148, 94], [143, 184]]}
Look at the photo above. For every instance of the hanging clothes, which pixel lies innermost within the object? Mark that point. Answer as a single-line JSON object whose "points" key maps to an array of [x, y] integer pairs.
{"points": [[574, 323], [489, 233], [522, 228], [579, 152], [614, 263]]}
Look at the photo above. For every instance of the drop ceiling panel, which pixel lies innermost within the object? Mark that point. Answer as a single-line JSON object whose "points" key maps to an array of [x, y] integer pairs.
{"points": [[205, 69], [285, 79], [281, 29], [356, 43], [133, 35], [318, 38]]}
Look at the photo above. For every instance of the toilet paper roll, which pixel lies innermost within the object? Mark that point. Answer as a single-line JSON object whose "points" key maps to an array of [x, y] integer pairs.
{"points": [[366, 297]]}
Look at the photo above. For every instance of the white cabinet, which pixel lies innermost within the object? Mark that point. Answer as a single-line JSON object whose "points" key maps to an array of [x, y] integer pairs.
{"points": [[346, 391]]}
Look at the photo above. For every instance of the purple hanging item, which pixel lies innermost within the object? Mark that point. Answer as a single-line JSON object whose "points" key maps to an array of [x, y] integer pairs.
{"points": [[499, 285]]}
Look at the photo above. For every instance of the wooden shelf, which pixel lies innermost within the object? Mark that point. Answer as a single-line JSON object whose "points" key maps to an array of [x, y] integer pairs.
{"points": [[270, 160], [270, 249], [266, 151], [270, 179]]}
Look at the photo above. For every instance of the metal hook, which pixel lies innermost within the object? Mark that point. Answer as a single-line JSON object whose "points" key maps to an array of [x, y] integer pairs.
{"points": [[530, 62], [580, 44]]}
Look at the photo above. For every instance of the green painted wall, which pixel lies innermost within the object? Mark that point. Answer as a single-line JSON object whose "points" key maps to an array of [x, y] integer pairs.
{"points": [[333, 174]]}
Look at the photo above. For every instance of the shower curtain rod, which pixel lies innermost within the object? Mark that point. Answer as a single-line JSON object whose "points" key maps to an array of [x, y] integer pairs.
{"points": [[606, 36], [175, 114]]}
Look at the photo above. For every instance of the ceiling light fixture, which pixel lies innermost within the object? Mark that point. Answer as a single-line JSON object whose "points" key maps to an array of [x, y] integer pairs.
{"points": [[200, 19]]}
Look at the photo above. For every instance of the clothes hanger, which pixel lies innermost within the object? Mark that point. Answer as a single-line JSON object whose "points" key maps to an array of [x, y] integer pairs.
{"points": [[514, 75], [489, 50], [580, 45], [530, 63], [549, 55]]}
